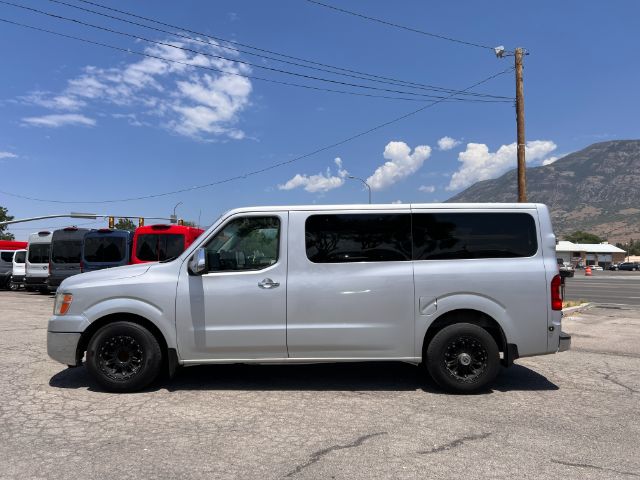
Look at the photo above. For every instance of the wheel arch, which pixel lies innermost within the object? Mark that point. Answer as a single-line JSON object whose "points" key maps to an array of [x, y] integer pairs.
{"points": [[474, 317], [169, 355]]}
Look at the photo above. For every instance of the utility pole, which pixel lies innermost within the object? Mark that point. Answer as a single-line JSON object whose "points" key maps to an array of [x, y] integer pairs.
{"points": [[522, 172]]}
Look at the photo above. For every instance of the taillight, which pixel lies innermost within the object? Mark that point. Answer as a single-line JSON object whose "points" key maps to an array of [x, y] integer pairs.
{"points": [[81, 266], [556, 294], [50, 269]]}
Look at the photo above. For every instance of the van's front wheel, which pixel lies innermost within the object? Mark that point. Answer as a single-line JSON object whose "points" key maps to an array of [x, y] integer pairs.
{"points": [[124, 357], [463, 358]]}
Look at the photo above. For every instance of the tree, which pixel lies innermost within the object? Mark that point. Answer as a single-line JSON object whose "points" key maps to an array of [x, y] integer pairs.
{"points": [[125, 224], [5, 217], [188, 223], [583, 237]]}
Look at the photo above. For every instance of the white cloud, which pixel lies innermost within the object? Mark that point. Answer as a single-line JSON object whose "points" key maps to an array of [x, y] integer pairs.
{"points": [[400, 164], [550, 160], [447, 143], [57, 102], [176, 96], [478, 163], [427, 188], [322, 182], [59, 120], [8, 155]]}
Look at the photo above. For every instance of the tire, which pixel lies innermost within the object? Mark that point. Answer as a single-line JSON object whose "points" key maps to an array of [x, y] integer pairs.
{"points": [[124, 357], [450, 350]]}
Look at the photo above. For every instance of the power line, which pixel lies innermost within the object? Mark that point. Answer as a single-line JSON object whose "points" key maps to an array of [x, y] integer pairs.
{"points": [[252, 77], [210, 55], [270, 167], [396, 25], [230, 45]]}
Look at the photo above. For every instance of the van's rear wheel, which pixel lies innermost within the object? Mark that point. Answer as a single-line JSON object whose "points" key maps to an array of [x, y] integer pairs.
{"points": [[463, 358], [124, 357]]}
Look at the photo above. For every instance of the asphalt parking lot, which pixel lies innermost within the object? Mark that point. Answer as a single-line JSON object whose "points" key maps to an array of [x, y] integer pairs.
{"points": [[570, 415]]}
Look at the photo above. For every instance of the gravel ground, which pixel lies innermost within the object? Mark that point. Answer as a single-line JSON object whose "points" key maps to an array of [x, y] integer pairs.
{"points": [[571, 415]]}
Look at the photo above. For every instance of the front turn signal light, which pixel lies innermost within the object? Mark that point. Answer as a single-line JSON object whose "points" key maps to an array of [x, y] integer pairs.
{"points": [[62, 303]]}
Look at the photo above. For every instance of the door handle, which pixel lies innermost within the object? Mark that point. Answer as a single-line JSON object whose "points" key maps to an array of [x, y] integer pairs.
{"points": [[267, 283]]}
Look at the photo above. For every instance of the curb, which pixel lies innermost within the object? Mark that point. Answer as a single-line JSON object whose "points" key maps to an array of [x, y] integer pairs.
{"points": [[577, 308]]}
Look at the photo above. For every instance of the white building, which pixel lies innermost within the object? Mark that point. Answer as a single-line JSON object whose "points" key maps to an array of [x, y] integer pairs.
{"points": [[602, 254]]}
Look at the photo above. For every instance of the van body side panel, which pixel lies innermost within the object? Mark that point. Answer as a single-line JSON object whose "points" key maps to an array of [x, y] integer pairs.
{"points": [[347, 310], [513, 291], [226, 314]]}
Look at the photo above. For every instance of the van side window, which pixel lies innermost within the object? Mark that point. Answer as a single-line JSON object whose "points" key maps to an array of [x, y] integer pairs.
{"points": [[363, 237], [445, 236], [6, 256], [246, 243]]}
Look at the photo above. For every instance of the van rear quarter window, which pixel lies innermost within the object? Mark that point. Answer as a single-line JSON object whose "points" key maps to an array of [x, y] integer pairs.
{"points": [[104, 249], [6, 256], [20, 257], [449, 236], [39, 253], [342, 238]]}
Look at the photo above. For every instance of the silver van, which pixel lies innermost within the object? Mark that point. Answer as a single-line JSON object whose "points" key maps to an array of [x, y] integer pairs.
{"points": [[458, 288], [6, 267], [37, 265]]}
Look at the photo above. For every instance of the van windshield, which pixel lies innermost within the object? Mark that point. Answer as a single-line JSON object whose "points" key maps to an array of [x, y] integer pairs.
{"points": [[66, 251], [20, 257], [39, 253], [104, 249], [155, 246]]}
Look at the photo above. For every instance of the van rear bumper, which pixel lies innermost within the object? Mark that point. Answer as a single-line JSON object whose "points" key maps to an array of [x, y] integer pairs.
{"points": [[35, 281], [564, 342], [62, 347]]}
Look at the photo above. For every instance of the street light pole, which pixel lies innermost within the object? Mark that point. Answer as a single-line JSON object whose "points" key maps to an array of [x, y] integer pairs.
{"points": [[365, 184]]}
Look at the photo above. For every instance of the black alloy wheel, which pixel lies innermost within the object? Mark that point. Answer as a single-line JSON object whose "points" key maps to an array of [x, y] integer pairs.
{"points": [[463, 358], [124, 356]]}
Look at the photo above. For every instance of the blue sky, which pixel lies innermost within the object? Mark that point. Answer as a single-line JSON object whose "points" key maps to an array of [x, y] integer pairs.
{"points": [[80, 122]]}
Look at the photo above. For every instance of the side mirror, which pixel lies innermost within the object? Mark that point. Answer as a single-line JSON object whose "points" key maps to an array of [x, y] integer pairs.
{"points": [[198, 262]]}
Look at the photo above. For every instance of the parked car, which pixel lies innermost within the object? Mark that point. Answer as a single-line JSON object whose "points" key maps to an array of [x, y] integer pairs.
{"points": [[66, 255], [613, 266], [629, 266], [37, 265], [438, 285], [565, 268], [596, 267], [19, 270], [106, 248]]}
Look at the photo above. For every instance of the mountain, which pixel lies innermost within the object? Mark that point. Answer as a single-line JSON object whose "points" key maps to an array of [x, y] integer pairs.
{"points": [[596, 189]]}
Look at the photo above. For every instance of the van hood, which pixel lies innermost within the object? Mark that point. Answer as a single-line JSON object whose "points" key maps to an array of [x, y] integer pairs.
{"points": [[106, 275]]}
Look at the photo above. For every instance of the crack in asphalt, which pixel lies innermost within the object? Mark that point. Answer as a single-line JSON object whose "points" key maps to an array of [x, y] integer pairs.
{"points": [[607, 376], [456, 443], [316, 456], [595, 467]]}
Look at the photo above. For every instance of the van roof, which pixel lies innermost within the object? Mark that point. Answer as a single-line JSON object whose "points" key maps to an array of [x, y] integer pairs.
{"points": [[391, 206]]}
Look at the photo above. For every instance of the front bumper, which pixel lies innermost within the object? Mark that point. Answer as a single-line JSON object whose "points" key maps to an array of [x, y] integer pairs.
{"points": [[564, 342], [62, 347]]}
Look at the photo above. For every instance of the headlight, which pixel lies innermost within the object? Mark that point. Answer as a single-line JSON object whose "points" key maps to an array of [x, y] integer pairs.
{"points": [[62, 303]]}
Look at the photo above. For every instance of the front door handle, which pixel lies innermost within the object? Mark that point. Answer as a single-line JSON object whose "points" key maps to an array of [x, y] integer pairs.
{"points": [[267, 283]]}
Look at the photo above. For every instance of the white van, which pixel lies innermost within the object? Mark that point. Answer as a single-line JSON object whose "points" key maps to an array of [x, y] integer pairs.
{"points": [[18, 270], [459, 288], [37, 266], [6, 267]]}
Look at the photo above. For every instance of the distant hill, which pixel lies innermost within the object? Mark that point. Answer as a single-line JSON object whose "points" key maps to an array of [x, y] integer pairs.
{"points": [[596, 189]]}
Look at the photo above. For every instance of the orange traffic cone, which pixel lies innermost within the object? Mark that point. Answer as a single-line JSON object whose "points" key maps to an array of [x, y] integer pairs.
{"points": [[587, 272]]}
